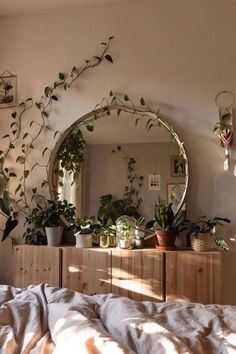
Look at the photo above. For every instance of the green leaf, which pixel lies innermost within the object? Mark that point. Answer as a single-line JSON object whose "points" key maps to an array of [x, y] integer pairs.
{"points": [[12, 174], [12, 124], [6, 136], [14, 132], [25, 135], [54, 98], [47, 91], [44, 150], [45, 114], [142, 101], [90, 128], [60, 173], [18, 188], [44, 183], [26, 173], [55, 134], [149, 127], [5, 203], [14, 114], [34, 190], [38, 105], [109, 58], [126, 98], [111, 93], [61, 76], [148, 122], [75, 71], [11, 146], [9, 226]]}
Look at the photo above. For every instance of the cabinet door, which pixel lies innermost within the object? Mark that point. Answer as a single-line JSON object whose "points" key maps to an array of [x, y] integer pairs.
{"points": [[138, 274], [36, 264], [87, 270], [193, 276]]}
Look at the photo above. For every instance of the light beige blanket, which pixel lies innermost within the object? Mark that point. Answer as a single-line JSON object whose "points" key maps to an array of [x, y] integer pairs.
{"points": [[42, 319]]}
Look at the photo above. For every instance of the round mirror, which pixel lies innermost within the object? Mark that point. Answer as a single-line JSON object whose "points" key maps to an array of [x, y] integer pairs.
{"points": [[115, 162]]}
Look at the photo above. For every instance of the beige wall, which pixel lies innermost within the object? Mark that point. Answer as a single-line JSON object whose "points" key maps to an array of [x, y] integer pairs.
{"points": [[176, 54]]}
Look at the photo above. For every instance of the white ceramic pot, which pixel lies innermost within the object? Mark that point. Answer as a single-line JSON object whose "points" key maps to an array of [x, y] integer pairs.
{"points": [[83, 241], [54, 235], [127, 244]]}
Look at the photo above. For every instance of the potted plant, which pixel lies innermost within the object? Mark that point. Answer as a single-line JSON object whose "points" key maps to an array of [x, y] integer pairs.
{"points": [[139, 232], [85, 227], [203, 233], [52, 215], [224, 129], [125, 232], [166, 223], [107, 233]]}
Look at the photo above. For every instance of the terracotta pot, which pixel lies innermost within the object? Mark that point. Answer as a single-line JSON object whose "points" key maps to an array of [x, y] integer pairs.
{"points": [[166, 238]]}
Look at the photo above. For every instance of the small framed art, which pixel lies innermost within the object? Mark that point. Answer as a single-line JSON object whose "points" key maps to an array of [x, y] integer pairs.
{"points": [[7, 90], [177, 166]]}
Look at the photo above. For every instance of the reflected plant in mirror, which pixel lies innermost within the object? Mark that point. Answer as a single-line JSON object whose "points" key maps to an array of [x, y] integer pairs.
{"points": [[72, 154]]}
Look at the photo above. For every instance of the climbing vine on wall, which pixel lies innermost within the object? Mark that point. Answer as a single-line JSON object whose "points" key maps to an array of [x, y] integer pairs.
{"points": [[27, 141]]}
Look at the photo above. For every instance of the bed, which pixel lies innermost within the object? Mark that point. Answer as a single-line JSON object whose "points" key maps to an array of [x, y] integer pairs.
{"points": [[43, 319]]}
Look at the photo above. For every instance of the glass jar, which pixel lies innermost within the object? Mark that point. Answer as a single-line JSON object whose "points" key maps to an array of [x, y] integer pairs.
{"points": [[125, 232], [104, 241], [139, 238]]}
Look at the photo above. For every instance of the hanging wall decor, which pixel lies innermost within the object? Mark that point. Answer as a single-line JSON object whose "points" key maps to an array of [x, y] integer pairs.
{"points": [[7, 89], [224, 127]]}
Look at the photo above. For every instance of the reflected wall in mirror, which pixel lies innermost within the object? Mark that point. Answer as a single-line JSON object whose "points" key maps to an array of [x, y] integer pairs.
{"points": [[120, 160]]}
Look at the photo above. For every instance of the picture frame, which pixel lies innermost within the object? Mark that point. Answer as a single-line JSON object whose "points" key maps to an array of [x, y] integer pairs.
{"points": [[178, 189], [177, 166], [8, 91]]}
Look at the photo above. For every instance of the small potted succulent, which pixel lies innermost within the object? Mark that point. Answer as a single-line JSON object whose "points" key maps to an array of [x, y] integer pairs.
{"points": [[85, 227], [52, 215], [203, 233], [139, 232], [166, 223]]}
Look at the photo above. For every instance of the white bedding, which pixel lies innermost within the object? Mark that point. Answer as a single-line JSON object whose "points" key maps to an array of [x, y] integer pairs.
{"points": [[42, 319]]}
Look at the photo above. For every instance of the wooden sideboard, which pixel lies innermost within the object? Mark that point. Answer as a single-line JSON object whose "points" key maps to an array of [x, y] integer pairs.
{"points": [[145, 274]]}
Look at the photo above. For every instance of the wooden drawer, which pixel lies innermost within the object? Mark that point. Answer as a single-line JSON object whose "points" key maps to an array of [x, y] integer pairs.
{"points": [[36, 264], [138, 274], [87, 270], [193, 276]]}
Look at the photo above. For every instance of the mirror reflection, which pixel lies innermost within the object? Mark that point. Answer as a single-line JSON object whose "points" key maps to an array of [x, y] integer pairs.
{"points": [[123, 166]]}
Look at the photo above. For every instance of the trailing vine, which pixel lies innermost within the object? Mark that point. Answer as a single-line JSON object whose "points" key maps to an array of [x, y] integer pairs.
{"points": [[9, 205]]}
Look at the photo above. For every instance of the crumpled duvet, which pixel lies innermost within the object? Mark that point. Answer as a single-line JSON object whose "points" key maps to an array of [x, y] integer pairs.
{"points": [[44, 320]]}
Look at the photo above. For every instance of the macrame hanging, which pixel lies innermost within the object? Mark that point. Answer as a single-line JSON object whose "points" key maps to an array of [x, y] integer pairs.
{"points": [[225, 100]]}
